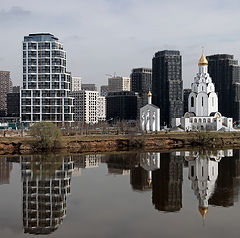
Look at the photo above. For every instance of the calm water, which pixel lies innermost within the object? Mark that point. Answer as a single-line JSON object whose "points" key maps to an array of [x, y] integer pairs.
{"points": [[181, 194]]}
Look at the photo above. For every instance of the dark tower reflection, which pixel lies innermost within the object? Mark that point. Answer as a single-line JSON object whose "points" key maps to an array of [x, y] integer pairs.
{"points": [[167, 183], [203, 172], [5, 170], [228, 182], [46, 184]]}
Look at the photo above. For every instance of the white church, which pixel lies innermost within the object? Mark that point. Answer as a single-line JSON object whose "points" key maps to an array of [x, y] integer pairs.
{"points": [[150, 116], [203, 105]]}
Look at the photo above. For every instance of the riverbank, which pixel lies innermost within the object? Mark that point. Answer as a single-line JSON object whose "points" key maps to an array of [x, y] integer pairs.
{"points": [[111, 143]]}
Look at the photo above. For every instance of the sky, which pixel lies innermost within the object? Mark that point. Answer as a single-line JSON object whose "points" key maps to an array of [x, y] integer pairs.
{"points": [[107, 36]]}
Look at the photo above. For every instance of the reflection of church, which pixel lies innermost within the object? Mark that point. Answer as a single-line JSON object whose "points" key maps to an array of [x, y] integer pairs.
{"points": [[46, 184], [203, 172]]}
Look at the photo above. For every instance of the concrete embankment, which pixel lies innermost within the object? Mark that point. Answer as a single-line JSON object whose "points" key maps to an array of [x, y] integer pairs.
{"points": [[110, 143]]}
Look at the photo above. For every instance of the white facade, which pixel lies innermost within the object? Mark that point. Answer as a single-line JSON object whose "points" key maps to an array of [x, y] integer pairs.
{"points": [[203, 172], [101, 109], [150, 116], [203, 105], [76, 84], [118, 84], [46, 83]]}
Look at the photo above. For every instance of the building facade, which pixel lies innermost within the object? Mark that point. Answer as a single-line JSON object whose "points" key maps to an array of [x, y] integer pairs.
{"points": [[85, 106], [13, 104], [150, 116], [46, 83], [76, 83], [104, 90], [118, 84], [141, 83], [89, 87], [122, 106], [167, 84], [203, 105], [186, 93], [101, 109], [225, 73], [5, 88]]}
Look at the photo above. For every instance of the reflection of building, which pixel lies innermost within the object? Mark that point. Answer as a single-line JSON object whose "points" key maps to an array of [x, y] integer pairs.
{"points": [[203, 172], [167, 183], [5, 170], [46, 184], [139, 179], [86, 161], [228, 182]]}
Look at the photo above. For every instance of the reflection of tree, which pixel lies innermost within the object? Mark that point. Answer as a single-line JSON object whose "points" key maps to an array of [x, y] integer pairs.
{"points": [[167, 184], [228, 182], [46, 183]]}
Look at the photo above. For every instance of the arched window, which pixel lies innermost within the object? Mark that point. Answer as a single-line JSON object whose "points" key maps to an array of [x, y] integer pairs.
{"points": [[202, 88], [192, 101], [202, 101], [213, 102]]}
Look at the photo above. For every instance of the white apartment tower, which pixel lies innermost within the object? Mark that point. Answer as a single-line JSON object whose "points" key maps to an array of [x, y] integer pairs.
{"points": [[46, 83], [76, 84], [101, 109], [118, 84]]}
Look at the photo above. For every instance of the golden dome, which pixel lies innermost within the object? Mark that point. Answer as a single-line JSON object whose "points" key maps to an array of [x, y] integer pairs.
{"points": [[203, 60], [149, 181], [149, 94], [203, 211]]}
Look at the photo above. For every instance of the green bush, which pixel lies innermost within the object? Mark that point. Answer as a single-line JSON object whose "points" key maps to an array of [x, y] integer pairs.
{"points": [[48, 135]]}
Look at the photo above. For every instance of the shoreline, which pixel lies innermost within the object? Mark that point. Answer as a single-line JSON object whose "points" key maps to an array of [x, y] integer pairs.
{"points": [[116, 143]]}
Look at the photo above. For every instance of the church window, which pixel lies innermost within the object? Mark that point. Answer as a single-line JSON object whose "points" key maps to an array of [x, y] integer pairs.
{"points": [[192, 101], [202, 101], [192, 171], [204, 120], [202, 171], [202, 88], [195, 120], [212, 171], [212, 101]]}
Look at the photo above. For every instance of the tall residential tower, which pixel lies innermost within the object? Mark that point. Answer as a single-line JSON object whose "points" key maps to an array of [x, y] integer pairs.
{"points": [[167, 84], [46, 83]]}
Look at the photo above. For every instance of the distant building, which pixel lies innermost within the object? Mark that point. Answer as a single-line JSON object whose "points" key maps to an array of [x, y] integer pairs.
{"points": [[5, 170], [13, 104], [15, 89], [5, 88], [76, 83], [122, 106], [141, 83], [89, 87], [167, 84], [186, 93], [104, 90], [150, 116], [101, 108], [85, 106], [225, 73], [118, 84], [46, 83]]}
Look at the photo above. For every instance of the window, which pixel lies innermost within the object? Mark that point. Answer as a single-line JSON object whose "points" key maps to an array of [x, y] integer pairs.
{"points": [[212, 101], [192, 101], [192, 171], [202, 101]]}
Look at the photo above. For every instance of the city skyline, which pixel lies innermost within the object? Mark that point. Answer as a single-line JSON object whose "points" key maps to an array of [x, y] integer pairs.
{"points": [[93, 42]]}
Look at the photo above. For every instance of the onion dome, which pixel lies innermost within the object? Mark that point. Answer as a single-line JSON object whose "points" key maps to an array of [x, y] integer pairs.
{"points": [[203, 61], [203, 211], [149, 94]]}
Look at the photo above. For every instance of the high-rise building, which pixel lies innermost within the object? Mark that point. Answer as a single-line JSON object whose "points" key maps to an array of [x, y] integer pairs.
{"points": [[101, 108], [5, 88], [89, 87], [85, 106], [13, 104], [76, 84], [225, 73], [104, 90], [167, 84], [141, 83], [46, 83], [122, 105], [118, 84]]}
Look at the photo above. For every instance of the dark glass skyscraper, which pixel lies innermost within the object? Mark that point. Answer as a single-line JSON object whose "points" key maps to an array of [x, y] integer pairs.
{"points": [[225, 73], [167, 84], [141, 83]]}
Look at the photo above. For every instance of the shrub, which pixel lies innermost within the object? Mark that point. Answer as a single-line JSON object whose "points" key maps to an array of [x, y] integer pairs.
{"points": [[48, 135]]}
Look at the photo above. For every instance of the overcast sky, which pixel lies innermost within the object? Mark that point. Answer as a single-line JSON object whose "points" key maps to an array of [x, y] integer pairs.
{"points": [[107, 36]]}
